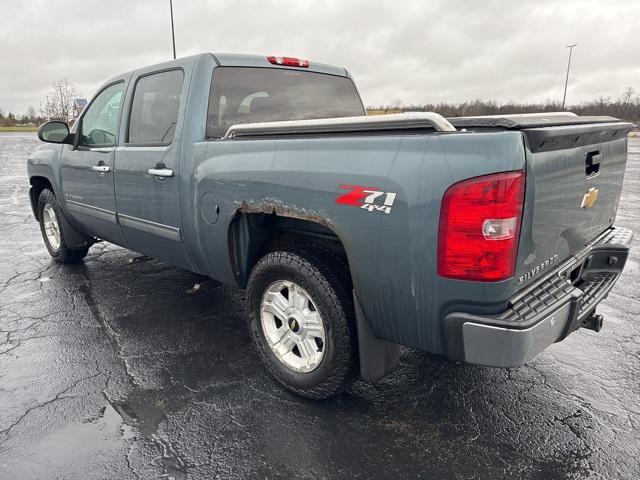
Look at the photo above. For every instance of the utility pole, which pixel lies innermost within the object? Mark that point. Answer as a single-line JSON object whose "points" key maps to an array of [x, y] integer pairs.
{"points": [[566, 81], [173, 35]]}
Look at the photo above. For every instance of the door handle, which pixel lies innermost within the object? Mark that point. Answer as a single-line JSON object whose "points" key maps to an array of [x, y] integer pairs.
{"points": [[101, 168], [160, 172]]}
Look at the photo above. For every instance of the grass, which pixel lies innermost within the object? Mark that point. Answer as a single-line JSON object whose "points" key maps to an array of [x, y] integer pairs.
{"points": [[18, 129], [377, 111]]}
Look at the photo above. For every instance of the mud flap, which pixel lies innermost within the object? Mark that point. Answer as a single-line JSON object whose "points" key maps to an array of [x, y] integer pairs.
{"points": [[72, 237], [378, 357]]}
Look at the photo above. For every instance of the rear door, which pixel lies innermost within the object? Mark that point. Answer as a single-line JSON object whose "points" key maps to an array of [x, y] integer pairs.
{"points": [[87, 169], [147, 174]]}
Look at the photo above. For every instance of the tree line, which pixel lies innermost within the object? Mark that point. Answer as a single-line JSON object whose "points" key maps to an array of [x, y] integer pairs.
{"points": [[58, 105], [626, 107], [29, 119]]}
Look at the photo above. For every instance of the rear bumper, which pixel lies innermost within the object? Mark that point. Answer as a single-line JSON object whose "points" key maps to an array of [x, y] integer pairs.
{"points": [[545, 312]]}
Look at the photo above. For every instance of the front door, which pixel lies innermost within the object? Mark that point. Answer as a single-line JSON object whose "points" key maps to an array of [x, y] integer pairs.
{"points": [[147, 174], [87, 168]]}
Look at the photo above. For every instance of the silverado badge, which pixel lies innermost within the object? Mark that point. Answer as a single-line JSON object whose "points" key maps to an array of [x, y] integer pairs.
{"points": [[589, 198]]}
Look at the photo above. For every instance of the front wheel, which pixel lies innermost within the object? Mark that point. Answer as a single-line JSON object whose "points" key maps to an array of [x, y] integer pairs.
{"points": [[302, 321], [49, 214]]}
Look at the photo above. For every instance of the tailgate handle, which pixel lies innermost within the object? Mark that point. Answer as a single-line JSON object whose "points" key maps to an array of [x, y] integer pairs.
{"points": [[592, 164]]}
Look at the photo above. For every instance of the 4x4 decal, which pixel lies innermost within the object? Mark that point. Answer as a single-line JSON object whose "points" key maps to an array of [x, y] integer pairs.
{"points": [[367, 198]]}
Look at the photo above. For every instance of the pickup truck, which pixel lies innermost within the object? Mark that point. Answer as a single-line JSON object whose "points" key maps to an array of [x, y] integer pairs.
{"points": [[481, 239]]}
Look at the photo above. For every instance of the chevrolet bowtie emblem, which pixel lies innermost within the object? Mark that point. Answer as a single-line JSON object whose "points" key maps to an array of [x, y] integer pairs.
{"points": [[589, 198]]}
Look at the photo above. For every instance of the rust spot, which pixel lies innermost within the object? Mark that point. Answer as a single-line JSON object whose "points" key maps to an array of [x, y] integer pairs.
{"points": [[272, 206]]}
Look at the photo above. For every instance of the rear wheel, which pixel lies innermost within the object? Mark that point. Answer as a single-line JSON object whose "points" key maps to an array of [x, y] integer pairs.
{"points": [[302, 321], [49, 214]]}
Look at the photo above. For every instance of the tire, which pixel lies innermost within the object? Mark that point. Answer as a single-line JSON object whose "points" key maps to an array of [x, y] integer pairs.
{"points": [[324, 278], [49, 215]]}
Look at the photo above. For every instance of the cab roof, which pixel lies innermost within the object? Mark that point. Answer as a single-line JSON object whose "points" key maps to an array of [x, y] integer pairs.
{"points": [[235, 60]]}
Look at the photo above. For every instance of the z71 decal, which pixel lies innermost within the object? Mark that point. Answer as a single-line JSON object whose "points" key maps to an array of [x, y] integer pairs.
{"points": [[367, 198]]}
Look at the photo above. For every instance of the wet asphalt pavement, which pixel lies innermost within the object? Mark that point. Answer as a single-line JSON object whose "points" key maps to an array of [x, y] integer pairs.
{"points": [[110, 369]]}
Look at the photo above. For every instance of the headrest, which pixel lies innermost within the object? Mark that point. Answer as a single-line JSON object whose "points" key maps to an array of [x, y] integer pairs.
{"points": [[164, 110], [261, 104]]}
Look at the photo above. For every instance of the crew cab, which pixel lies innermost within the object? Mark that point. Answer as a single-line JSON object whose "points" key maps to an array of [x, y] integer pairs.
{"points": [[482, 239]]}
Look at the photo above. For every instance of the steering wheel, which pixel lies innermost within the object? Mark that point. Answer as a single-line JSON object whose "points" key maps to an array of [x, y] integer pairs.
{"points": [[102, 135]]}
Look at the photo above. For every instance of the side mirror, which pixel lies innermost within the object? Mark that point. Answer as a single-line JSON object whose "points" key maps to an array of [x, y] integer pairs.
{"points": [[54, 132]]}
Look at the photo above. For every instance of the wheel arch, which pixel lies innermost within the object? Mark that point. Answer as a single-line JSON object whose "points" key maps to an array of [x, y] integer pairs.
{"points": [[251, 235], [38, 184], [73, 237]]}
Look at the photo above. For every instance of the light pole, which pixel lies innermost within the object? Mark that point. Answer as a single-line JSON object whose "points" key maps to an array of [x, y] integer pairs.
{"points": [[566, 81], [173, 35]]}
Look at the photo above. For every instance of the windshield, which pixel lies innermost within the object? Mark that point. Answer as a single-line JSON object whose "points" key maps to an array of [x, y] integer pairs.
{"points": [[248, 95]]}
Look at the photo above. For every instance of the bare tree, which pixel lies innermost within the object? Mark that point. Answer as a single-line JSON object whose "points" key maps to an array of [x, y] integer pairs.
{"points": [[58, 105], [32, 114], [627, 96]]}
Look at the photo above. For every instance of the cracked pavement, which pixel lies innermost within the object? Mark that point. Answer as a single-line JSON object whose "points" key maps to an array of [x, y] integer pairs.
{"points": [[110, 369]]}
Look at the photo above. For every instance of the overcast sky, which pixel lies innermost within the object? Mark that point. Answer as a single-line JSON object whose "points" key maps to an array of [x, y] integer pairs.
{"points": [[412, 51]]}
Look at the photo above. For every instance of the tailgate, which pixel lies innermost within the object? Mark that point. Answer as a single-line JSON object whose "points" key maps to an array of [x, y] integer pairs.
{"points": [[574, 180]]}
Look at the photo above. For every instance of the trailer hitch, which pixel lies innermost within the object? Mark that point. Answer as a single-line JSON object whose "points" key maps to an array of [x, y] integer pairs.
{"points": [[593, 322]]}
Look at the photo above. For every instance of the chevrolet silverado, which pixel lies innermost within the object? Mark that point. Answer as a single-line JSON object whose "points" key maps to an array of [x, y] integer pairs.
{"points": [[482, 239]]}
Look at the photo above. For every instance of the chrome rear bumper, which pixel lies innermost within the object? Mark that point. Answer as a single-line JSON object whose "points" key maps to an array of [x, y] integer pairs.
{"points": [[544, 313]]}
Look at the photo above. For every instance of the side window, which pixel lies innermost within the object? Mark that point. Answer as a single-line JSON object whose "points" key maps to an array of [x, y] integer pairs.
{"points": [[100, 120], [154, 111]]}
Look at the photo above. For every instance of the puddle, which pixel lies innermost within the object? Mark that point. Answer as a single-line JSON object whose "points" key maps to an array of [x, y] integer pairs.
{"points": [[110, 417], [73, 448], [99, 440], [147, 412]]}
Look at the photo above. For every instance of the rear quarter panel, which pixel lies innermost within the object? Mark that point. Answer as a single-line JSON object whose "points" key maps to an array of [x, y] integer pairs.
{"points": [[411, 298], [392, 256]]}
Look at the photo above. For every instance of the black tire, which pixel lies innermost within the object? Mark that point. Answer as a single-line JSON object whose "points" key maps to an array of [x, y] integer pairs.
{"points": [[62, 253], [326, 280]]}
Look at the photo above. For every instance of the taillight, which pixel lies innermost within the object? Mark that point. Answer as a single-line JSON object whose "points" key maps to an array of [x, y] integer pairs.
{"points": [[289, 61], [480, 227]]}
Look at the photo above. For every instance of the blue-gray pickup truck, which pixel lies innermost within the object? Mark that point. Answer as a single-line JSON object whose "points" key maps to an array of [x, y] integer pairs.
{"points": [[482, 239]]}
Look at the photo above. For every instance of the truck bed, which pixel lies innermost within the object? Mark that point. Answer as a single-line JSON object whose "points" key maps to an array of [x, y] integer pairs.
{"points": [[535, 124]]}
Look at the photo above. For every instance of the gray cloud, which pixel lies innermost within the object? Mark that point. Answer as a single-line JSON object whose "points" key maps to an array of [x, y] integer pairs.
{"points": [[413, 51]]}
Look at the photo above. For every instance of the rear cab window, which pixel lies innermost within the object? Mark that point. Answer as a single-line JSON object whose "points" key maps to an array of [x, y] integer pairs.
{"points": [[255, 94], [154, 109]]}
